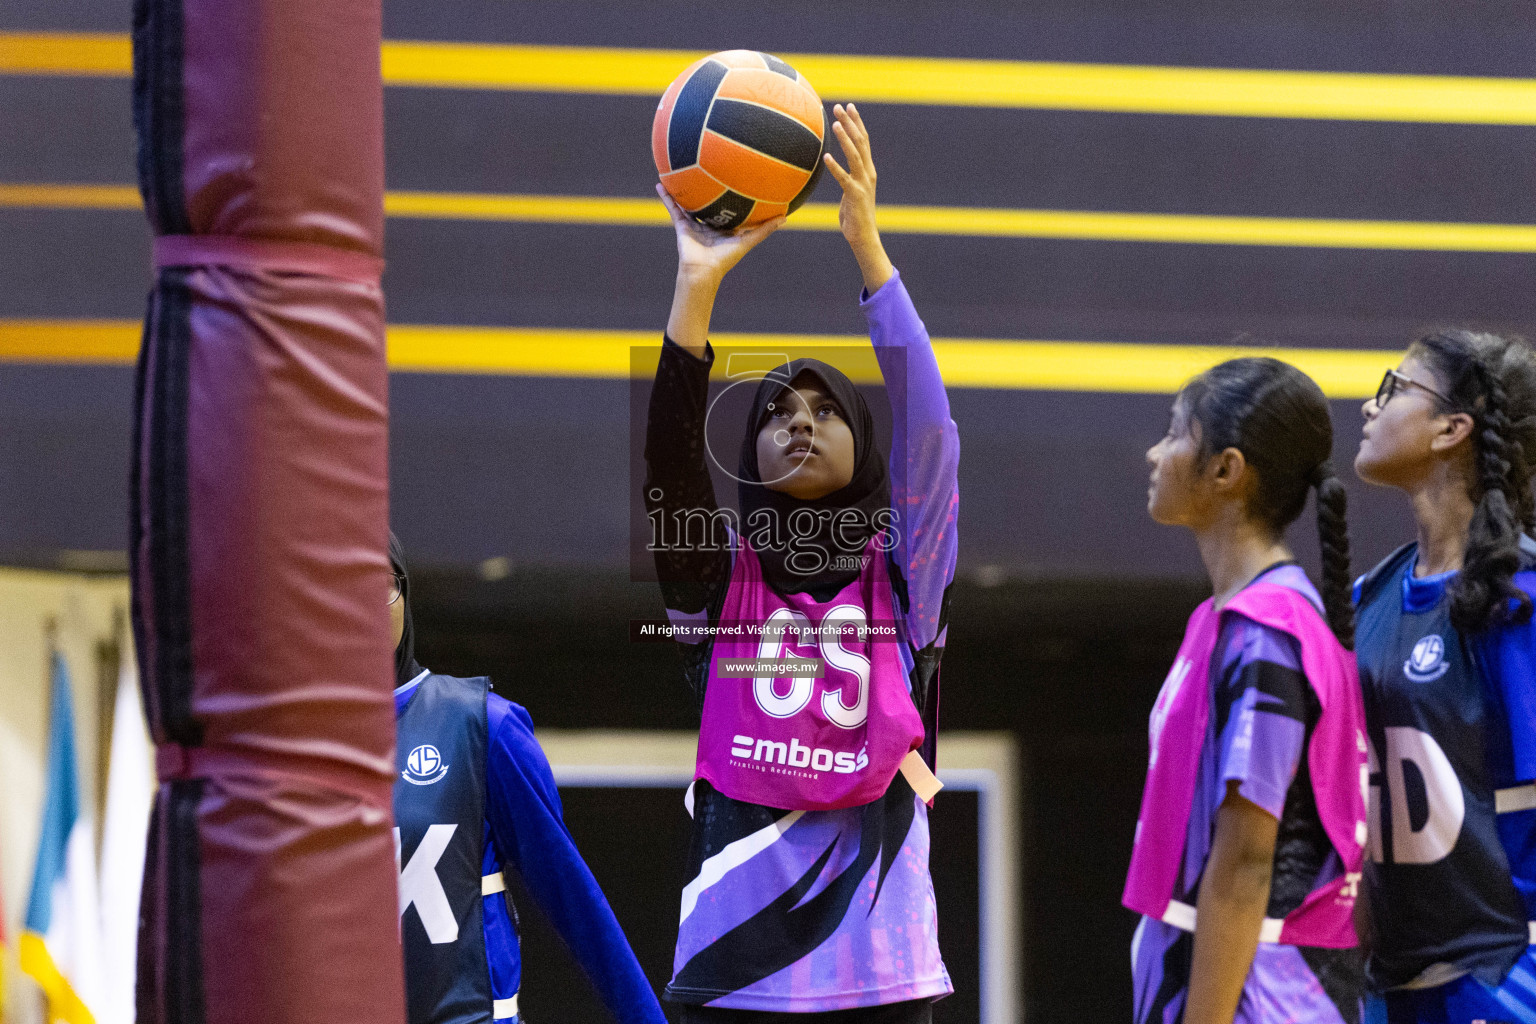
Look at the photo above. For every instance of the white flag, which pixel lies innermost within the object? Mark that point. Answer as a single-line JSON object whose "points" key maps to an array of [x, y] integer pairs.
{"points": [[125, 827]]}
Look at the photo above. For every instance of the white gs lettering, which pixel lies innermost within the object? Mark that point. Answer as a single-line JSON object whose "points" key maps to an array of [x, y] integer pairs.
{"points": [[839, 656], [776, 638]]}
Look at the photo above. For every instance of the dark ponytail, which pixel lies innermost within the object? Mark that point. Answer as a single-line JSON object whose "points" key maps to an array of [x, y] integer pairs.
{"points": [[1333, 538], [1494, 380], [1278, 418]]}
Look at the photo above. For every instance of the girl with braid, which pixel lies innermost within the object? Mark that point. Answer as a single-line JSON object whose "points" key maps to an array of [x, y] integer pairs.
{"points": [[1248, 846], [1447, 653]]}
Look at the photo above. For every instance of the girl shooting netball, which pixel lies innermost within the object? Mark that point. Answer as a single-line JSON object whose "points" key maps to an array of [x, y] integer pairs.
{"points": [[809, 890]]}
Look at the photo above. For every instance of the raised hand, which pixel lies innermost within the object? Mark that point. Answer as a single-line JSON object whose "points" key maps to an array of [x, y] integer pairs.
{"points": [[856, 213], [705, 253], [703, 257]]}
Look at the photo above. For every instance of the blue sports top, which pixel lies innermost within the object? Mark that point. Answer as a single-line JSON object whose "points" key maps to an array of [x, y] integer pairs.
{"points": [[524, 827], [1451, 719]]}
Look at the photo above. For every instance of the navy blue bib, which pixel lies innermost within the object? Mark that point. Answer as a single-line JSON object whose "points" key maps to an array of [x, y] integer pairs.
{"points": [[1437, 875], [440, 829]]}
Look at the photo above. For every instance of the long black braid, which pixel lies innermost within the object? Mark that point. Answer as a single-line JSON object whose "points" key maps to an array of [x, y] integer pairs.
{"points": [[1494, 380], [1333, 537]]}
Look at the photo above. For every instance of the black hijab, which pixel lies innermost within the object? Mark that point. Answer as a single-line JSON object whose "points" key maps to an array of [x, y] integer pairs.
{"points": [[868, 491], [406, 666]]}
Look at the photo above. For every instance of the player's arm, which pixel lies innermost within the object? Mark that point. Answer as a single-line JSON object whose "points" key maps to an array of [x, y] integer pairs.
{"points": [[529, 833], [925, 447], [856, 213], [1234, 894], [704, 256], [1508, 656], [678, 491]]}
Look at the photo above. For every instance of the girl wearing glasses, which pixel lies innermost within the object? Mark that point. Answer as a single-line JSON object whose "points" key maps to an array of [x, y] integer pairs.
{"points": [[1447, 653], [1249, 843]]}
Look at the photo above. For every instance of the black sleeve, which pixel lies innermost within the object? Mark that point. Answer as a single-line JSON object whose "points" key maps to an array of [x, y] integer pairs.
{"points": [[693, 562]]}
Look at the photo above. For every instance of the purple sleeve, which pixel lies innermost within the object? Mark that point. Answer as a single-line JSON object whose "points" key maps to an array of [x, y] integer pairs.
{"points": [[925, 456], [1265, 694]]}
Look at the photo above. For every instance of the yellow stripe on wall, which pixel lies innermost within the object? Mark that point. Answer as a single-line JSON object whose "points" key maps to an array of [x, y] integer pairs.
{"points": [[959, 221], [885, 79], [70, 197], [61, 53], [1200, 229], [537, 352], [70, 341]]}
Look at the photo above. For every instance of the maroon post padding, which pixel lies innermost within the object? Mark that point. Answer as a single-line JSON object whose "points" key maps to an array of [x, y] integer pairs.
{"points": [[259, 518]]}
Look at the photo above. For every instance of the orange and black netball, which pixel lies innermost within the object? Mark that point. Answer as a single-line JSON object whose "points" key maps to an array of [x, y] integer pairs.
{"points": [[738, 139]]}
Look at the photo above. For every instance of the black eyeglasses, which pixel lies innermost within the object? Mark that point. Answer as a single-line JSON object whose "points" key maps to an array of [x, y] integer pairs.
{"points": [[396, 586], [1392, 382]]}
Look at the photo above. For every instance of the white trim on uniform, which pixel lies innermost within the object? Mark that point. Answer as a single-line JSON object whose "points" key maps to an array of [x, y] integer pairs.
{"points": [[1182, 916], [504, 1009], [424, 673], [490, 885], [1515, 798]]}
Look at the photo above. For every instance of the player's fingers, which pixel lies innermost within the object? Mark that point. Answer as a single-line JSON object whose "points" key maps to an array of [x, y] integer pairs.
{"points": [[850, 149], [683, 224], [841, 119], [673, 210], [767, 228], [838, 174], [853, 128], [861, 129], [753, 235], [860, 134]]}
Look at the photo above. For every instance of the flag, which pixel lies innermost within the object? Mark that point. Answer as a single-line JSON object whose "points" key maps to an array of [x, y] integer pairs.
{"points": [[59, 939], [125, 829]]}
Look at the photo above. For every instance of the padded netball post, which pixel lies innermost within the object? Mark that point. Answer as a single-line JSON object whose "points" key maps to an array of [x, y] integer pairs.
{"points": [[259, 516]]}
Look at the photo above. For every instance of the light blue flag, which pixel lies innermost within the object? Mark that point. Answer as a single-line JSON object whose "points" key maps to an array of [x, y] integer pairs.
{"points": [[59, 942]]}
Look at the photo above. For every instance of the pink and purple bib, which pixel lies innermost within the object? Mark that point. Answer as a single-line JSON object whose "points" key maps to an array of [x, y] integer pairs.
{"points": [[1336, 753], [804, 742]]}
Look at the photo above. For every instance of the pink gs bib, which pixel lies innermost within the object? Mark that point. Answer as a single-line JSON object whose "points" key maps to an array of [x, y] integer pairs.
{"points": [[807, 743]]}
